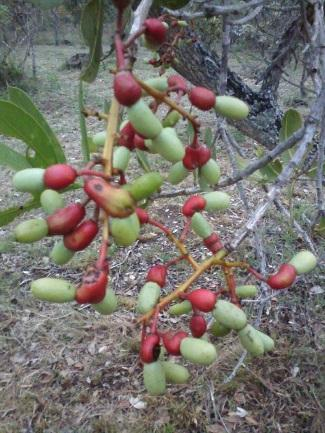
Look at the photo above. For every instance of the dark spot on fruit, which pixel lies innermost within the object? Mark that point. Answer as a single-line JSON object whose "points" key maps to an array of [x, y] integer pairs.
{"points": [[98, 187]]}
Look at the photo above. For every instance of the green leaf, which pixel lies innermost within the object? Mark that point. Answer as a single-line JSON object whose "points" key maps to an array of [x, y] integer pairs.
{"points": [[190, 132], [17, 123], [83, 126], [208, 140], [270, 171], [320, 227], [22, 100], [12, 159], [143, 160], [92, 29], [8, 215], [47, 4], [291, 122]]}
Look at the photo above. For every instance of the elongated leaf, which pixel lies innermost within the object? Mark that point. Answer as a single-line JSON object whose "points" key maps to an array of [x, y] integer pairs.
{"points": [[143, 160], [47, 4], [190, 132], [208, 140], [22, 100], [320, 227], [92, 29], [291, 122], [270, 171], [8, 215], [12, 159], [15, 122], [83, 126]]}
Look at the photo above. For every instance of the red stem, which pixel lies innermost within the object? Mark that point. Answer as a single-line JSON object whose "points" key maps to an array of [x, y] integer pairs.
{"points": [[154, 323], [102, 255], [186, 230], [256, 274], [174, 261], [159, 226], [86, 172]]}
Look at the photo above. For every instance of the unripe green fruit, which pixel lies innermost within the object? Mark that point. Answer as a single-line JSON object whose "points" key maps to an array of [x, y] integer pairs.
{"points": [[229, 315], [231, 107], [108, 305], [145, 185], [121, 158], [216, 200], [171, 119], [99, 139], [304, 261], [143, 120], [126, 230], [210, 171], [201, 226], [177, 173], [53, 290], [31, 230], [198, 351], [29, 180], [175, 373], [251, 341], [218, 329], [168, 145], [267, 341], [91, 145], [148, 297], [60, 255], [158, 83], [51, 201], [246, 291], [154, 378], [180, 308]]}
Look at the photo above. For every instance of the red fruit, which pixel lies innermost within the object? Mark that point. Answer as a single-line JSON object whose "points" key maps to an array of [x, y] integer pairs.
{"points": [[177, 81], [282, 279], [150, 348], [157, 274], [142, 215], [172, 341], [82, 236], [202, 98], [93, 287], [126, 90], [213, 243], [59, 176], [139, 142], [198, 325], [202, 299], [203, 154], [195, 203], [127, 136], [190, 158], [155, 31], [64, 220]]}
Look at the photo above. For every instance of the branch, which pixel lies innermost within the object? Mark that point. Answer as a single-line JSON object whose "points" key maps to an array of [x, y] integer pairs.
{"points": [[140, 14]]}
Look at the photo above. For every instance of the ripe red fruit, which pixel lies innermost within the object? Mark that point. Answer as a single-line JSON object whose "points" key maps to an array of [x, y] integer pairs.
{"points": [[203, 155], [202, 299], [172, 341], [282, 279], [142, 215], [195, 203], [190, 158], [64, 220], [127, 136], [155, 31], [213, 243], [202, 98], [157, 274], [150, 348], [59, 176], [198, 325], [93, 287], [126, 90], [81, 236], [139, 142], [177, 81]]}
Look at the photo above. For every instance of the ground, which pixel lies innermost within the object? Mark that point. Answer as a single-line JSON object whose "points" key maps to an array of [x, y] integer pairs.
{"points": [[66, 369]]}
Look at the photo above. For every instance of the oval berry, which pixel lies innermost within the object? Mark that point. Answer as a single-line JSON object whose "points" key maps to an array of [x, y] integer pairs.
{"points": [[282, 279], [126, 90], [82, 236], [59, 176], [202, 98], [198, 325], [202, 299]]}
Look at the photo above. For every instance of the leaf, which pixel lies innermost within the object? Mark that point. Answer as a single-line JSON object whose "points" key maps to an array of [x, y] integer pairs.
{"points": [[8, 215], [320, 227], [17, 123], [190, 132], [92, 29], [83, 126], [22, 100], [270, 171], [291, 122], [12, 159], [143, 160], [208, 140], [47, 4]]}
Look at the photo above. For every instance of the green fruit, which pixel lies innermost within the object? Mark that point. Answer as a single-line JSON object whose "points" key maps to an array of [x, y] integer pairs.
{"points": [[143, 120], [229, 315], [231, 107], [158, 83], [175, 373], [267, 341], [246, 291], [108, 305], [29, 180], [218, 329], [198, 351], [99, 139], [53, 290], [31, 230], [154, 378], [125, 231], [60, 255], [168, 145], [201, 226], [251, 341], [216, 200], [177, 173], [121, 158], [145, 185], [210, 171], [91, 145], [180, 308], [171, 119], [172, 4], [51, 201], [304, 261], [148, 297]]}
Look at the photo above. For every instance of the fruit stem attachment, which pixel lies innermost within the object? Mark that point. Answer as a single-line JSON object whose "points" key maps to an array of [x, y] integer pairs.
{"points": [[231, 284]]}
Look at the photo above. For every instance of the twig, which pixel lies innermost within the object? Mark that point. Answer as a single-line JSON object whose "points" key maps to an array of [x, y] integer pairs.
{"points": [[140, 14]]}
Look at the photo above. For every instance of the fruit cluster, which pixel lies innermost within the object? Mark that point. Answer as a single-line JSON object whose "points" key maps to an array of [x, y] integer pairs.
{"points": [[118, 206]]}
